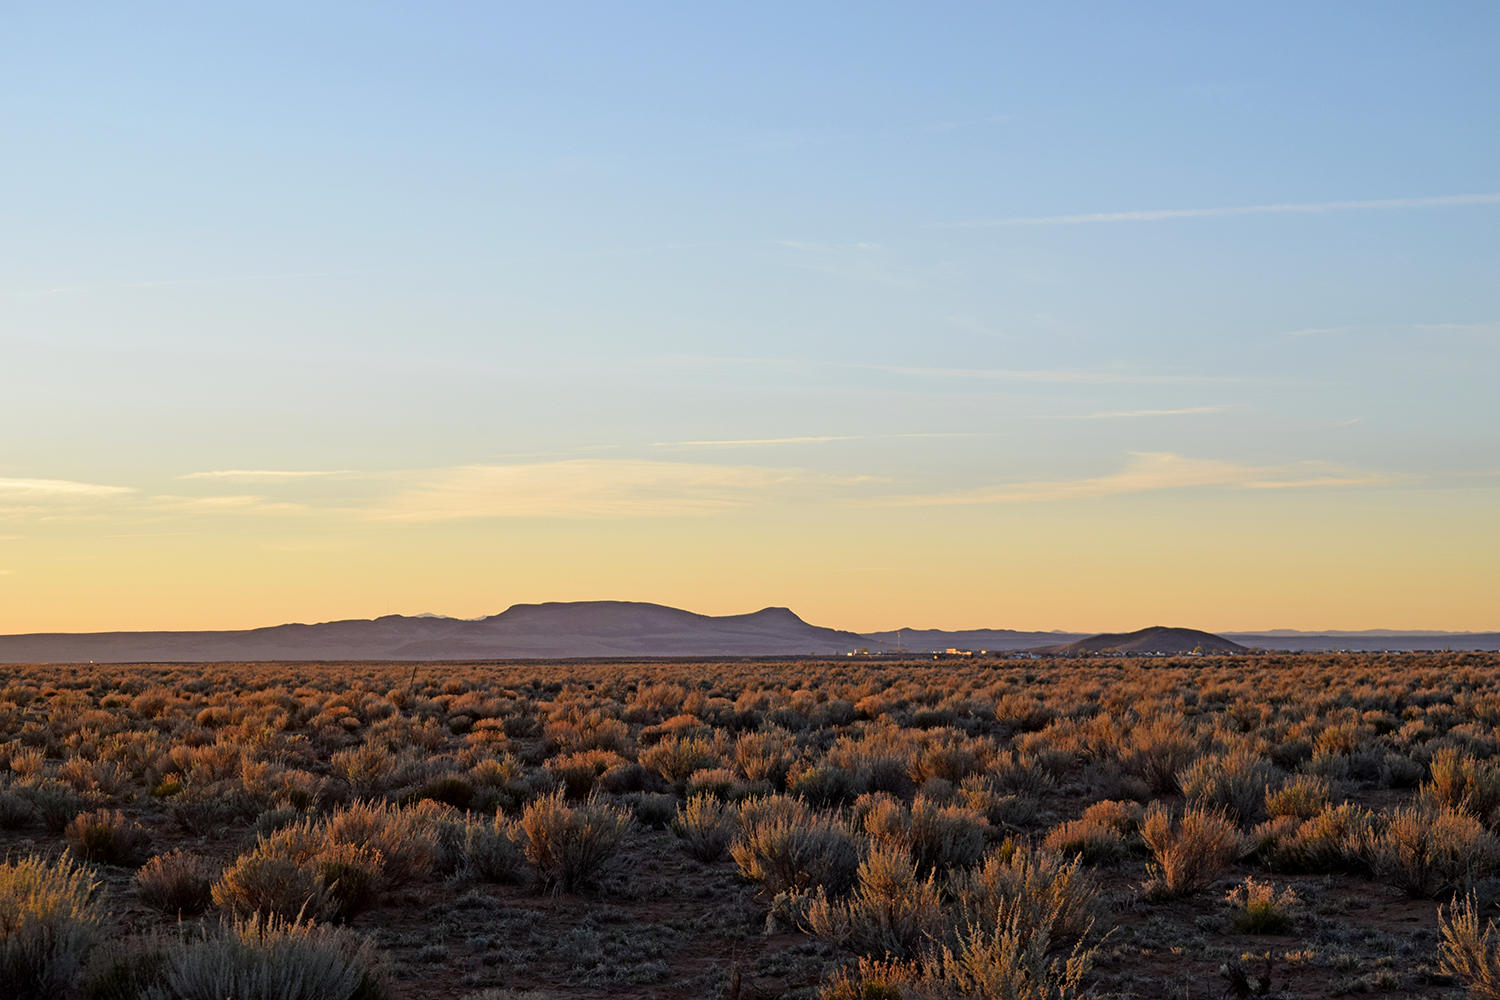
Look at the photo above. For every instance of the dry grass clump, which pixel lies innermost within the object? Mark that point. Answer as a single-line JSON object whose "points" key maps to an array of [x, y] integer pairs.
{"points": [[176, 883], [705, 826], [572, 846], [1191, 851], [1259, 908], [107, 837], [1467, 952], [50, 915]]}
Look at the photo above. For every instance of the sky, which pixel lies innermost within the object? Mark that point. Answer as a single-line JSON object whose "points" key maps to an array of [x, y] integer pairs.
{"points": [[1085, 316]]}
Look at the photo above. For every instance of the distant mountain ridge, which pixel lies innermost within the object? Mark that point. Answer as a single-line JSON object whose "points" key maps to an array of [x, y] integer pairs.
{"points": [[524, 631], [562, 630]]}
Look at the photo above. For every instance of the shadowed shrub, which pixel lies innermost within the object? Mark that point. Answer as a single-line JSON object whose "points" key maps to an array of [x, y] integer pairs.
{"points": [[269, 959], [490, 851], [176, 883], [1336, 840], [107, 838]]}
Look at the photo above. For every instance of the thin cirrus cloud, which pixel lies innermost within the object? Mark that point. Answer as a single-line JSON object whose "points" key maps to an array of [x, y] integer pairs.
{"points": [[812, 439], [595, 488], [1152, 471], [1184, 411], [1063, 376], [1288, 208], [57, 488], [231, 504], [269, 475]]}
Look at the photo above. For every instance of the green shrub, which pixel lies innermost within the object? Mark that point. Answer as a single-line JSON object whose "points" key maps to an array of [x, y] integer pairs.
{"points": [[50, 916]]}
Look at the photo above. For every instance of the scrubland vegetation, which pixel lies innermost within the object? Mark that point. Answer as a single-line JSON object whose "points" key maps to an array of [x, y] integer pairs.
{"points": [[1196, 828]]}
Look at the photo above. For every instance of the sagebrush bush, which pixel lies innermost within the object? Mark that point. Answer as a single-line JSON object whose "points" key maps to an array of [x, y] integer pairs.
{"points": [[1235, 783], [270, 885], [491, 852], [1461, 782], [269, 959], [1048, 889], [1467, 952], [404, 838], [573, 846], [1338, 839], [1191, 851], [50, 916], [1301, 795], [176, 883], [786, 854], [107, 837], [705, 826], [1014, 958], [1432, 852], [892, 912]]}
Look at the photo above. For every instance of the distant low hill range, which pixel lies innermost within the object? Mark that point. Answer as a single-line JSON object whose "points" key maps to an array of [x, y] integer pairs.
{"points": [[1156, 639], [525, 631], [563, 630]]}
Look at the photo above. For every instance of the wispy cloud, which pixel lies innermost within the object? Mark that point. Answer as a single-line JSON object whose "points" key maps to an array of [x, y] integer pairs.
{"points": [[753, 442], [233, 504], [814, 439], [1057, 375], [1151, 471], [43, 488], [1130, 414], [595, 488], [1426, 329], [268, 475], [1286, 208]]}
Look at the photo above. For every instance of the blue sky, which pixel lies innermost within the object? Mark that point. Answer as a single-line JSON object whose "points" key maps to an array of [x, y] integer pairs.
{"points": [[785, 283]]}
